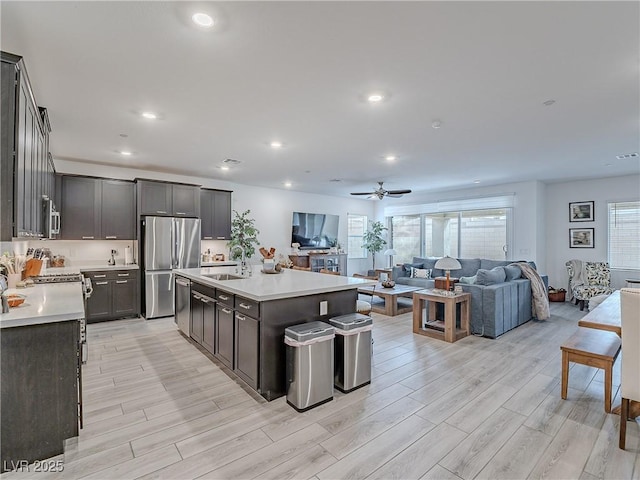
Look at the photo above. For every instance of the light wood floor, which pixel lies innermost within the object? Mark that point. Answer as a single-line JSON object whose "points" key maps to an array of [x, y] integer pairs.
{"points": [[157, 407]]}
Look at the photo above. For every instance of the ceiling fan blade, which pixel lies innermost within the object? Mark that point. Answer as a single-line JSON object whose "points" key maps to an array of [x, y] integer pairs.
{"points": [[362, 193], [393, 195], [398, 192]]}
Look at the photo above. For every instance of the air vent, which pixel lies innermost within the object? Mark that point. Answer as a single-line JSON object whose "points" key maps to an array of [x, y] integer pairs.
{"points": [[627, 155], [231, 161], [335, 180]]}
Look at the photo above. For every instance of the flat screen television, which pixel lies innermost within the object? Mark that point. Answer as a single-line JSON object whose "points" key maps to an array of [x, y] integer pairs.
{"points": [[314, 230]]}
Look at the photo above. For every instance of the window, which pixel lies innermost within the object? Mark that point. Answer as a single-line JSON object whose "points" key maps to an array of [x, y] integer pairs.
{"points": [[468, 234], [624, 235], [356, 228]]}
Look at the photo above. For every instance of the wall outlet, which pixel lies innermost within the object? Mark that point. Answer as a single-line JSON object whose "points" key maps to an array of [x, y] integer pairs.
{"points": [[324, 307]]}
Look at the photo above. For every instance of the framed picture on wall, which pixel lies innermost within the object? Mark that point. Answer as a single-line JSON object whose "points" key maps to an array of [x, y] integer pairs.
{"points": [[581, 238], [581, 212]]}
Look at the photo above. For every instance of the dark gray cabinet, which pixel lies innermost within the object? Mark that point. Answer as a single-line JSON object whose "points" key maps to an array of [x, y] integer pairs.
{"points": [[215, 214], [203, 316], [24, 154], [224, 327], [197, 307], [162, 198], [209, 324], [115, 295], [96, 208], [247, 340]]}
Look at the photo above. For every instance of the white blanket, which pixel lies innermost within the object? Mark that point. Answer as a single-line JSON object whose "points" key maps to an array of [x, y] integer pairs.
{"points": [[539, 297]]}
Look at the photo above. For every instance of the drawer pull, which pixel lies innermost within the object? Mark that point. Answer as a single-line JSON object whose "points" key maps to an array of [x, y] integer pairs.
{"points": [[226, 310], [245, 306], [123, 274], [221, 238], [161, 211], [111, 237], [242, 318], [87, 238], [223, 297], [180, 213], [207, 299], [122, 281], [207, 238], [99, 276], [101, 283]]}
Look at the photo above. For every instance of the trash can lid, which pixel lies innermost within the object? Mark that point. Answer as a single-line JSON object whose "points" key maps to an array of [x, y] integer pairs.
{"points": [[351, 321], [308, 331]]}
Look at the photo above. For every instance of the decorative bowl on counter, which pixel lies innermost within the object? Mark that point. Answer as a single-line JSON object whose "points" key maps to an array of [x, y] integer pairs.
{"points": [[388, 284], [15, 299]]}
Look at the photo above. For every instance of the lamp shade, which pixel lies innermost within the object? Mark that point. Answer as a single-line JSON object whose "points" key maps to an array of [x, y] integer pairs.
{"points": [[390, 251], [448, 263]]}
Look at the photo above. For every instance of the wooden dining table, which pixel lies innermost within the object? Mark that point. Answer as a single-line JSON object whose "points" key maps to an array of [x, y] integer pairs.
{"points": [[606, 316]]}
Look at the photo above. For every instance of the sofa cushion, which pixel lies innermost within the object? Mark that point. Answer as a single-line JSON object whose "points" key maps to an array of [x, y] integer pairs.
{"points": [[408, 266], [512, 272], [468, 280], [469, 267], [490, 277], [489, 264]]}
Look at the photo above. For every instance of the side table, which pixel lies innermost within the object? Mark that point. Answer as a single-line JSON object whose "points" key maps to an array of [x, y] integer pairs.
{"points": [[446, 330]]}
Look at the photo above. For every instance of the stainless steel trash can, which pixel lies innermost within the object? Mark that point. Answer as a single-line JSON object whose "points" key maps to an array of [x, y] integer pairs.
{"points": [[352, 351], [309, 364]]}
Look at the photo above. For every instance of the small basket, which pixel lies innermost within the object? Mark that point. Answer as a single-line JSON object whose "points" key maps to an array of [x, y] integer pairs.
{"points": [[557, 296]]}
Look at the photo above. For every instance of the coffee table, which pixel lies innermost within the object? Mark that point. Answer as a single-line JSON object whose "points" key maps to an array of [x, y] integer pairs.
{"points": [[390, 297]]}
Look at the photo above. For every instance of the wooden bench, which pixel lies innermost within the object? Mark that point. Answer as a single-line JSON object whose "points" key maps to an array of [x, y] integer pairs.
{"points": [[594, 348]]}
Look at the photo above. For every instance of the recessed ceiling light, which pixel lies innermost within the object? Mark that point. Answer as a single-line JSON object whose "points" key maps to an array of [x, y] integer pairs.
{"points": [[608, 164], [437, 124], [202, 19], [287, 184], [149, 115], [390, 158], [126, 153], [549, 102], [124, 135], [375, 97], [224, 167], [476, 181], [276, 144]]}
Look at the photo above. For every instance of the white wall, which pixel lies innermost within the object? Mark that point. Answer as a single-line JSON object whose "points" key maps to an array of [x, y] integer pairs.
{"points": [[271, 208], [528, 224], [601, 191]]}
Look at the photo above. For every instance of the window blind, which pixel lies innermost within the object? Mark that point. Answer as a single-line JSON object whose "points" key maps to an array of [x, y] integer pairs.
{"points": [[624, 235]]}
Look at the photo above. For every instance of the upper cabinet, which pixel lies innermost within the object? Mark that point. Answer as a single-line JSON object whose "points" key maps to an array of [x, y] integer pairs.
{"points": [[215, 212], [24, 154], [173, 199], [96, 208]]}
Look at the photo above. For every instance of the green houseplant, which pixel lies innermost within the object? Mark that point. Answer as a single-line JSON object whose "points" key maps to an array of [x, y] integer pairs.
{"points": [[373, 241], [243, 234]]}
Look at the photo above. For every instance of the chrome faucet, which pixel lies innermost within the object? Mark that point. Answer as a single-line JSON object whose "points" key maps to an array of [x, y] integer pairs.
{"points": [[244, 267], [4, 285]]}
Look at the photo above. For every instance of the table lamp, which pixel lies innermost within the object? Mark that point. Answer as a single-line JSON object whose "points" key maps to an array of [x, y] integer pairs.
{"points": [[391, 252], [447, 264]]}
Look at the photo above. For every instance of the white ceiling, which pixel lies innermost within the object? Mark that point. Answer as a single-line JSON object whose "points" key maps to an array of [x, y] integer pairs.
{"points": [[299, 72]]}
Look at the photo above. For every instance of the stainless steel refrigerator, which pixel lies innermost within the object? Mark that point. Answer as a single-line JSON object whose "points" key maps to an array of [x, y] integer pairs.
{"points": [[167, 243]]}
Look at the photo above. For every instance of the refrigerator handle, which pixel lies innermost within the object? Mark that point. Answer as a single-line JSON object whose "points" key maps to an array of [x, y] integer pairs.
{"points": [[174, 244]]}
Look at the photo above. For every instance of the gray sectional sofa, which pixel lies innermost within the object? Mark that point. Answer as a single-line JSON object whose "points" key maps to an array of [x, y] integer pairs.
{"points": [[499, 302]]}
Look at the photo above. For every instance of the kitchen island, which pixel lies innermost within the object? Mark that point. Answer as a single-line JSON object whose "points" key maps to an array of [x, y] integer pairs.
{"points": [[40, 363], [241, 321]]}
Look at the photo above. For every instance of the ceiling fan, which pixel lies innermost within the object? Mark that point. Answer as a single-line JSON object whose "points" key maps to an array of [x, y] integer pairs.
{"points": [[380, 192]]}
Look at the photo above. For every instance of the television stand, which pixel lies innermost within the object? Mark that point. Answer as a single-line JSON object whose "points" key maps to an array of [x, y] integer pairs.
{"points": [[335, 262]]}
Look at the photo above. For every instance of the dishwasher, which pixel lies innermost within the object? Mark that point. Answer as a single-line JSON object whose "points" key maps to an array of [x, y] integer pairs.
{"points": [[183, 304]]}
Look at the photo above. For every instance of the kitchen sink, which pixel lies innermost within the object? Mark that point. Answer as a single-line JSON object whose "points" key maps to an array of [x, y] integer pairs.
{"points": [[223, 276]]}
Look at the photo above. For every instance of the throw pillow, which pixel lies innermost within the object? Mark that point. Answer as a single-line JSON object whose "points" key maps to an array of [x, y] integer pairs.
{"points": [[408, 266], [490, 277], [512, 272], [468, 280], [420, 273]]}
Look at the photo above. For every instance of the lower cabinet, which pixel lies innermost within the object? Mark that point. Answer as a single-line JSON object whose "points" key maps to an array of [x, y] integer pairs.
{"points": [[203, 317], [115, 295], [225, 337], [247, 348]]}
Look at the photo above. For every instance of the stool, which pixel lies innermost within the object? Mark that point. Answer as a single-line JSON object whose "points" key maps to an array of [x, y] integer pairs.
{"points": [[594, 348]]}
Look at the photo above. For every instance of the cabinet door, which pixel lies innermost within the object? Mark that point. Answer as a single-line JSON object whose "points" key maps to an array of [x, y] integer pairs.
{"points": [[197, 308], [125, 297], [206, 214], [8, 150], [99, 304], [154, 198], [186, 200], [221, 215], [118, 210], [80, 215], [224, 336], [208, 324], [247, 348]]}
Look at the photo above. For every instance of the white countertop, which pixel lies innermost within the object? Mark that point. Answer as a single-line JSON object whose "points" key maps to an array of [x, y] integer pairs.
{"points": [[87, 268], [264, 286], [45, 303], [219, 264]]}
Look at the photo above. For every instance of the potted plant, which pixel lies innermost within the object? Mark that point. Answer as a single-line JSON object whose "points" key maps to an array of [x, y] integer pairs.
{"points": [[373, 241], [243, 234]]}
